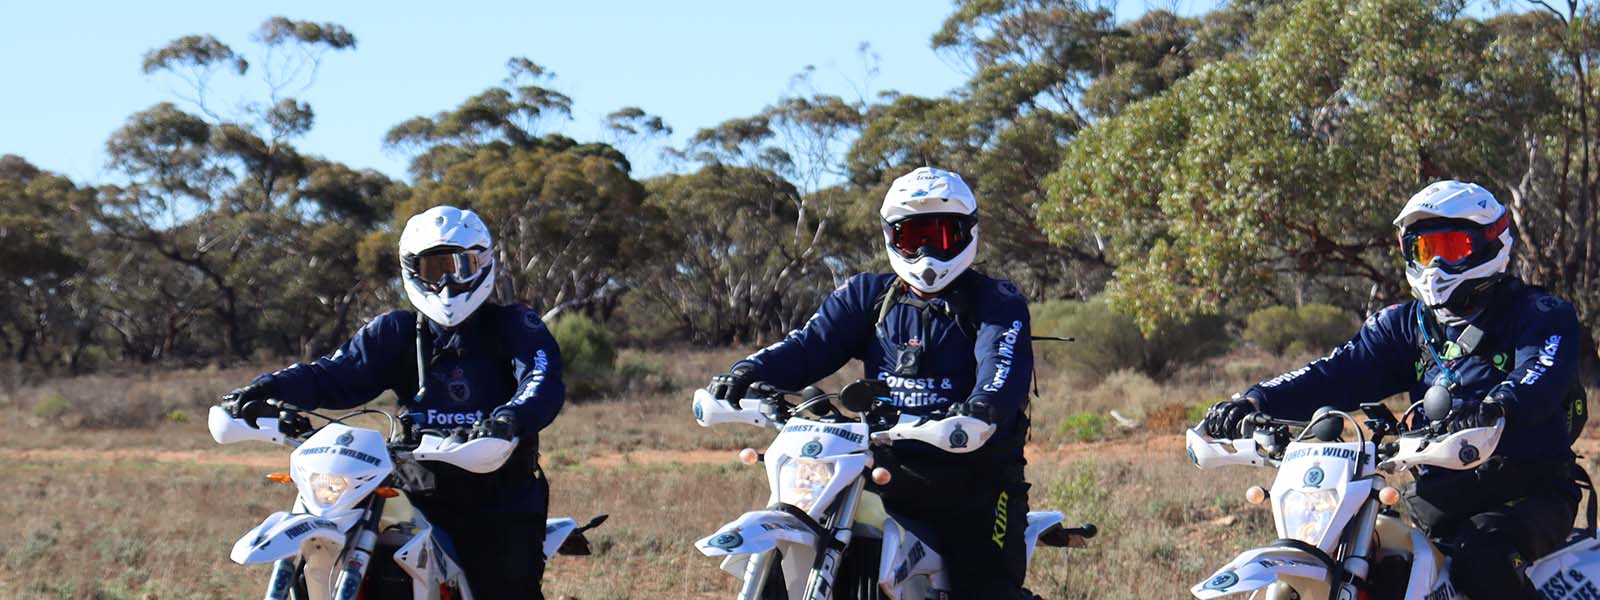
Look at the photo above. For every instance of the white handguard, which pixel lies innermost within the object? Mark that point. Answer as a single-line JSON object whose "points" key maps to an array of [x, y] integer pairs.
{"points": [[1207, 454], [709, 411], [481, 455], [226, 429], [958, 434], [1459, 451]]}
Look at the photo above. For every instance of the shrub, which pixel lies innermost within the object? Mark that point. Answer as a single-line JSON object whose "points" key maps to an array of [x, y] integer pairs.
{"points": [[50, 406], [1313, 327], [588, 360], [1108, 341], [1084, 427]]}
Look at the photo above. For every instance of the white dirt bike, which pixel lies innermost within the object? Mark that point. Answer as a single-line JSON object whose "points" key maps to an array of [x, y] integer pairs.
{"points": [[823, 534], [352, 533], [1332, 505]]}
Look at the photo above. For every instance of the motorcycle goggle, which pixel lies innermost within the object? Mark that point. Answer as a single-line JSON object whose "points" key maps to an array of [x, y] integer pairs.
{"points": [[1451, 247], [455, 268], [940, 236]]}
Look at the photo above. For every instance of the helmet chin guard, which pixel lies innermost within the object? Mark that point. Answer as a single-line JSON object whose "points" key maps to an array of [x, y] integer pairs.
{"points": [[445, 230], [927, 193]]}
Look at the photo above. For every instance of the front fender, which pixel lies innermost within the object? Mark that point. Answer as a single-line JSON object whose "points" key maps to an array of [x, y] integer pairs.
{"points": [[1258, 568], [281, 535], [756, 531]]}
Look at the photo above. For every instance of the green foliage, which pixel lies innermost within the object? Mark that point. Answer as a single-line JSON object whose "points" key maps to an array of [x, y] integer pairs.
{"points": [[588, 360], [1312, 327], [1084, 427], [50, 406]]}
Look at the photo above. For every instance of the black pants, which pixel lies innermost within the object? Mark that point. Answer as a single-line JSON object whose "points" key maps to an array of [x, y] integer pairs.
{"points": [[973, 512], [500, 545], [1496, 520]]}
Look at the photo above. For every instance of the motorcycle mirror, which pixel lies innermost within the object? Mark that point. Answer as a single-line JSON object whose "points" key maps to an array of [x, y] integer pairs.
{"points": [[1326, 427], [1436, 404], [862, 395]]}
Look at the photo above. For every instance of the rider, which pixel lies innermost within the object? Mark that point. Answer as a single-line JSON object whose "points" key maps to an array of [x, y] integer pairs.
{"points": [[942, 336], [493, 368], [1501, 347]]}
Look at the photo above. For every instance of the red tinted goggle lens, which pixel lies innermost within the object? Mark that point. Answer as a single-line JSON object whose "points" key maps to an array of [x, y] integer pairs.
{"points": [[1450, 247], [939, 233]]}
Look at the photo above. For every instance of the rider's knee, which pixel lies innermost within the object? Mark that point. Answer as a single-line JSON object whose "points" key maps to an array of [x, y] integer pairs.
{"points": [[1487, 566]]}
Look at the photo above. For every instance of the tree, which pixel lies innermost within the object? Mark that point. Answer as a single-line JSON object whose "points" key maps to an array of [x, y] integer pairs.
{"points": [[567, 215], [231, 207]]}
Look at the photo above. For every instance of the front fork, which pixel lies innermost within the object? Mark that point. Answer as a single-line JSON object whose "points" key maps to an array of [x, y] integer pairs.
{"points": [[1358, 551], [358, 551], [831, 552]]}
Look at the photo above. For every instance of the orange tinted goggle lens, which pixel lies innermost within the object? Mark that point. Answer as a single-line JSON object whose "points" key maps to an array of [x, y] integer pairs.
{"points": [[1449, 246], [436, 268]]}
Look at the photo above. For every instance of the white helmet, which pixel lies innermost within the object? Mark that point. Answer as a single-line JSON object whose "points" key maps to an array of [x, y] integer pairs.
{"points": [[1455, 236], [446, 263], [930, 227]]}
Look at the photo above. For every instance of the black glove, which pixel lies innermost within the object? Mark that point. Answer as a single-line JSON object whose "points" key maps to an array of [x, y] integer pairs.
{"points": [[250, 402], [1488, 411], [732, 386], [977, 408], [1222, 420], [502, 423]]}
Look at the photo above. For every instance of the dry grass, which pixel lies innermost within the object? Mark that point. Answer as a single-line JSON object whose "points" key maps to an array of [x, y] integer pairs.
{"points": [[131, 528]]}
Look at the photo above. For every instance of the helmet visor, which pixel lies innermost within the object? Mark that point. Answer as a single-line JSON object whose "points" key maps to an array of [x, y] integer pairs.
{"points": [[940, 236], [453, 268], [1448, 247]]}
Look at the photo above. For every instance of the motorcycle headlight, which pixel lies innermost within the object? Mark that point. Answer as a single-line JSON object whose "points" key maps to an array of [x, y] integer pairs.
{"points": [[1307, 513], [326, 488], [805, 483]]}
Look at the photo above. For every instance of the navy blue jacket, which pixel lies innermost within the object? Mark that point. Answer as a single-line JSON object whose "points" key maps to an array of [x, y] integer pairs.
{"points": [[993, 361], [501, 356], [1530, 348]]}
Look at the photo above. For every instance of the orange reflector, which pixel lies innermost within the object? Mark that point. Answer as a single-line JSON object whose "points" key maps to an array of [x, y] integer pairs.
{"points": [[881, 476], [279, 477], [749, 456], [386, 491], [1255, 495], [1389, 496]]}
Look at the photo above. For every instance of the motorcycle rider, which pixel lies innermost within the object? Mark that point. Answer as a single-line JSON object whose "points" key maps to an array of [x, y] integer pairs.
{"points": [[493, 368], [943, 336], [1502, 348]]}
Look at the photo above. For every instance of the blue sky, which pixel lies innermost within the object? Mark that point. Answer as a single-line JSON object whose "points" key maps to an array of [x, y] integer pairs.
{"points": [[72, 68]]}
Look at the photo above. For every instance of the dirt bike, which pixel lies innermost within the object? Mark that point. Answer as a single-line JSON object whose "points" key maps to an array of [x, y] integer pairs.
{"points": [[352, 533], [823, 534], [1332, 504]]}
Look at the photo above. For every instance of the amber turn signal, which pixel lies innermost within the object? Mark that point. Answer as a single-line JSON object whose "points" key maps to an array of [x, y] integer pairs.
{"points": [[1389, 496], [881, 476], [749, 456], [1255, 495], [279, 477], [386, 491]]}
